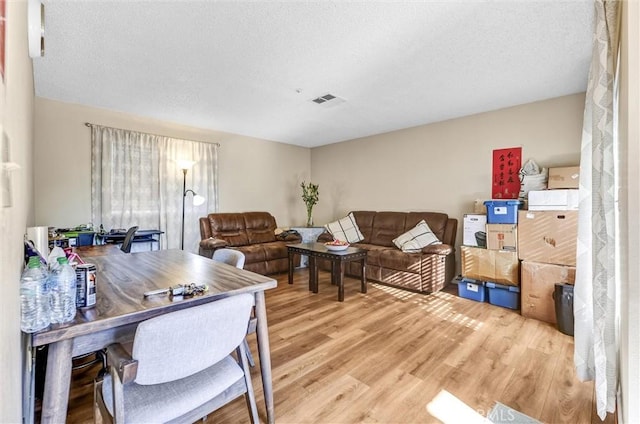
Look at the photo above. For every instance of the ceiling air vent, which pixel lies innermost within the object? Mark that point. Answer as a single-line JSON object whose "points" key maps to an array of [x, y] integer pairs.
{"points": [[328, 100]]}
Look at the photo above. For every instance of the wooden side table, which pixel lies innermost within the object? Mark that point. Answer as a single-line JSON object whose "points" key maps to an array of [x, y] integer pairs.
{"points": [[309, 235]]}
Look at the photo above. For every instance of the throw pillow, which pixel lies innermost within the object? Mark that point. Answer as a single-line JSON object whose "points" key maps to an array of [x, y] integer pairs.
{"points": [[416, 238], [345, 229]]}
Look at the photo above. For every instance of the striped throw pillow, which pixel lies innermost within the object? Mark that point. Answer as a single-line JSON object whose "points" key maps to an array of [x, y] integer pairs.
{"points": [[345, 229], [416, 238]]}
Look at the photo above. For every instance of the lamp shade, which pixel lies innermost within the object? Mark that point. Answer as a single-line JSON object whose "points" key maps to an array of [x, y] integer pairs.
{"points": [[198, 200], [185, 164]]}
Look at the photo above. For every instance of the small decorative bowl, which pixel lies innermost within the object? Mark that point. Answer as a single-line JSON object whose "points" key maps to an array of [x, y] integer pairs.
{"points": [[336, 247]]}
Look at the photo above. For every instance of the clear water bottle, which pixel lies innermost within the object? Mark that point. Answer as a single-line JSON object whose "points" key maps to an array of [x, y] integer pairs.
{"points": [[34, 297], [62, 284]]}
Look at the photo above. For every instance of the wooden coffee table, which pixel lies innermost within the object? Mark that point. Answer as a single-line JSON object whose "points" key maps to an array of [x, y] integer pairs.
{"points": [[337, 258]]}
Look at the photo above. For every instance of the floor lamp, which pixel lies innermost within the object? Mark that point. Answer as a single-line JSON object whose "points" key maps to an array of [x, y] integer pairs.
{"points": [[197, 199]]}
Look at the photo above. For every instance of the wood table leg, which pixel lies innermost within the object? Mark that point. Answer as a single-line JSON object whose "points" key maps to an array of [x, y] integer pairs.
{"points": [[363, 281], [290, 268], [334, 273], [57, 382], [340, 281], [313, 274], [264, 352]]}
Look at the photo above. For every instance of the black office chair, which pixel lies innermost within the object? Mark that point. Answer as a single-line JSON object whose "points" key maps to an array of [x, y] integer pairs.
{"points": [[128, 239]]}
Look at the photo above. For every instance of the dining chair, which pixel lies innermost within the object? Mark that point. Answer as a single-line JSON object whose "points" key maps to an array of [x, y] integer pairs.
{"points": [[230, 257], [180, 368], [128, 239], [236, 258]]}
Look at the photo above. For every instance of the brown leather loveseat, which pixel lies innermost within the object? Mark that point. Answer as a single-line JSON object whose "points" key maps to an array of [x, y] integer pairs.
{"points": [[426, 271], [252, 233]]}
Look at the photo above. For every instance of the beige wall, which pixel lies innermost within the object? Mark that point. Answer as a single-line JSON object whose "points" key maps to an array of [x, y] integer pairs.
{"points": [[444, 166], [629, 334], [254, 174], [17, 120]]}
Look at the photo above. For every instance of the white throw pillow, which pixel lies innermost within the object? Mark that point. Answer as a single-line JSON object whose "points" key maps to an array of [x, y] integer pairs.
{"points": [[345, 229], [416, 238]]}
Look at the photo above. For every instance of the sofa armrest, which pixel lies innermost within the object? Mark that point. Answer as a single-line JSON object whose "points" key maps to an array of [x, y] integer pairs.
{"points": [[289, 237], [213, 243], [210, 245], [437, 249], [324, 237]]}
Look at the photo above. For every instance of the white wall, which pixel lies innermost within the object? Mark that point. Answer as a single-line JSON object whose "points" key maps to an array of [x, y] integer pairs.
{"points": [[17, 120], [254, 174], [629, 334], [445, 166]]}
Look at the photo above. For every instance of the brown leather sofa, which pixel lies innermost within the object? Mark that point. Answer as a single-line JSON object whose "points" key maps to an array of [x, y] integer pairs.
{"points": [[426, 272], [252, 233]]}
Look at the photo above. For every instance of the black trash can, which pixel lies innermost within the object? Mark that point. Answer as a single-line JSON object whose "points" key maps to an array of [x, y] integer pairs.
{"points": [[563, 297], [481, 238]]}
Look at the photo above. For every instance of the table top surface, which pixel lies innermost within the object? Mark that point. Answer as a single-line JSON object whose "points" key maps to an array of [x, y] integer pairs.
{"points": [[122, 280], [320, 248], [97, 250]]}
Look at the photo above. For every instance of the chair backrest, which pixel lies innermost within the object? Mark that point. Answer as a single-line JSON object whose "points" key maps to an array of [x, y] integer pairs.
{"points": [[179, 344], [230, 257], [128, 239]]}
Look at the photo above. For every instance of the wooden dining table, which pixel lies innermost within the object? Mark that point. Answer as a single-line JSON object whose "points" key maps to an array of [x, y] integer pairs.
{"points": [[121, 282]]}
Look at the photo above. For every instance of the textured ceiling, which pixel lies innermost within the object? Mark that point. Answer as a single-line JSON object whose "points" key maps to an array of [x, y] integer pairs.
{"points": [[253, 67]]}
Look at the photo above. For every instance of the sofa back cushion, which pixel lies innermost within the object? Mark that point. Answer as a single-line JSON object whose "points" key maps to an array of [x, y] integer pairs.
{"points": [[229, 227], [435, 220], [364, 219], [260, 227], [386, 227], [381, 228]]}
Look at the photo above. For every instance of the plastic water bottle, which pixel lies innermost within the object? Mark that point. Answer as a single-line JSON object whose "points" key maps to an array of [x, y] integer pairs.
{"points": [[34, 297], [62, 284]]}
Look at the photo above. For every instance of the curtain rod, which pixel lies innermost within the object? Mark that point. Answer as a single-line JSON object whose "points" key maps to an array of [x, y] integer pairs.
{"points": [[89, 124]]}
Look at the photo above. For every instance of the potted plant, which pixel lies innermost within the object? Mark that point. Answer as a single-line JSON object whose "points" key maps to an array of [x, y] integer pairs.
{"points": [[310, 198]]}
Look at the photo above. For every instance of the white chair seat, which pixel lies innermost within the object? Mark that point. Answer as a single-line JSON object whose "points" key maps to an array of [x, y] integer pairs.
{"points": [[148, 404]]}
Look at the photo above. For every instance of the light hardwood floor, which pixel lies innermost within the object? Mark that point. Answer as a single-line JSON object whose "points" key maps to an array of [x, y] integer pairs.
{"points": [[390, 356]]}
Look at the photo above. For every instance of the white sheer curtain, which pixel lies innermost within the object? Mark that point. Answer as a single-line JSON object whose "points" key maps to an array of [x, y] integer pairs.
{"points": [[136, 180], [595, 353]]}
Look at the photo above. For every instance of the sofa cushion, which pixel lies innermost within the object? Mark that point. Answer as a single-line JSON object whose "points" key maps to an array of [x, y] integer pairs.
{"points": [[386, 227], [345, 229], [229, 227], [364, 219], [437, 221], [252, 253], [416, 238], [260, 227], [275, 250], [373, 252], [395, 259]]}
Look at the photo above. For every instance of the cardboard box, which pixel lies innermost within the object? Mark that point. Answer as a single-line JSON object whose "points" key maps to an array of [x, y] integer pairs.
{"points": [[566, 177], [479, 207], [502, 211], [500, 266], [548, 236], [538, 284], [553, 200], [502, 237], [474, 223]]}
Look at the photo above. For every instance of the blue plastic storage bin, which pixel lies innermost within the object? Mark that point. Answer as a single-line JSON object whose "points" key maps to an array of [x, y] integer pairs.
{"points": [[472, 289], [505, 296], [502, 211]]}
